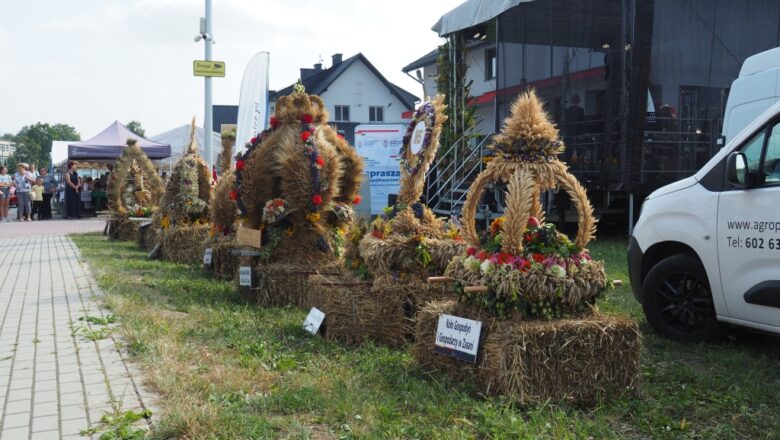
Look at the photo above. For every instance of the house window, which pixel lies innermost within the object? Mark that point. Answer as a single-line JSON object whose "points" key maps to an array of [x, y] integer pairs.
{"points": [[342, 113], [490, 64], [376, 114]]}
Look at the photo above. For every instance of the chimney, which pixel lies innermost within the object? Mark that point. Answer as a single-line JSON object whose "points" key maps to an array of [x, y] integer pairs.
{"points": [[305, 73], [337, 58], [318, 68]]}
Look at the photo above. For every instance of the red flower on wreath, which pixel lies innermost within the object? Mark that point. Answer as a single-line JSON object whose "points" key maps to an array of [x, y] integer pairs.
{"points": [[307, 119], [471, 251], [279, 202], [320, 161], [539, 258], [305, 135], [357, 200], [234, 195], [239, 165], [316, 199], [253, 140], [341, 136], [275, 123]]}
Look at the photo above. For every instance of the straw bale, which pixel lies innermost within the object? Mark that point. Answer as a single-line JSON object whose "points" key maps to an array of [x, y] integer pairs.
{"points": [[382, 312], [184, 244], [575, 360], [281, 285], [148, 237], [125, 230], [224, 265]]}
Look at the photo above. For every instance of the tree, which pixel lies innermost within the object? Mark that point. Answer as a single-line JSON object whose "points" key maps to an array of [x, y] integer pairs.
{"points": [[136, 128], [33, 142]]}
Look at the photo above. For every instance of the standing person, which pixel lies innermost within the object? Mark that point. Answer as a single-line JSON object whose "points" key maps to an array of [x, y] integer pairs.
{"points": [[49, 188], [5, 192], [37, 198], [23, 181], [72, 196]]}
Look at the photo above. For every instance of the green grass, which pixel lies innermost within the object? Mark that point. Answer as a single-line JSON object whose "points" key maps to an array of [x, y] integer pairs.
{"points": [[226, 369]]}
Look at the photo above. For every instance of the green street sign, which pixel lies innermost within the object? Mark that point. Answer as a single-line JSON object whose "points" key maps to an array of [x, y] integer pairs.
{"points": [[208, 68]]}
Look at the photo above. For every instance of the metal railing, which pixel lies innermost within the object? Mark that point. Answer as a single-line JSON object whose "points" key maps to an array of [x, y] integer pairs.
{"points": [[446, 180]]}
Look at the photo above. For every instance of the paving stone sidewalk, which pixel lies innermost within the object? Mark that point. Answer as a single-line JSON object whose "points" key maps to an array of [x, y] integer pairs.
{"points": [[54, 380]]}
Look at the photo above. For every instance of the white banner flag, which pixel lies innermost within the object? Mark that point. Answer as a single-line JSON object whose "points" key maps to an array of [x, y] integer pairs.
{"points": [[253, 102]]}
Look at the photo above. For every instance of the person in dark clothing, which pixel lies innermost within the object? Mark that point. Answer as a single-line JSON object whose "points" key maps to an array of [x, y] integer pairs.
{"points": [[72, 196], [50, 187]]}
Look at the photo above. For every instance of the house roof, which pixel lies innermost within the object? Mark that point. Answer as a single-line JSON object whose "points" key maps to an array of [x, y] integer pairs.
{"points": [[318, 83], [425, 60]]}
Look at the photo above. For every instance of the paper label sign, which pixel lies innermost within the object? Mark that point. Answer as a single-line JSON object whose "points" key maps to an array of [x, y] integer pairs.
{"points": [[249, 237], [313, 321], [245, 276], [207, 257], [458, 337]]}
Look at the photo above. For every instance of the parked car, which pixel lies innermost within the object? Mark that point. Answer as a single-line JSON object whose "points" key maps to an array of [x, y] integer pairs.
{"points": [[706, 249]]}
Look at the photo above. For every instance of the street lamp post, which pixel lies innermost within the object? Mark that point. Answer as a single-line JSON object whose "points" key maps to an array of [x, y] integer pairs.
{"points": [[208, 40]]}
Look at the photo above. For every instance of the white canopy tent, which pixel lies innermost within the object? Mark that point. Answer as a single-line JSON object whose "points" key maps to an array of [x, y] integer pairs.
{"points": [[179, 138]]}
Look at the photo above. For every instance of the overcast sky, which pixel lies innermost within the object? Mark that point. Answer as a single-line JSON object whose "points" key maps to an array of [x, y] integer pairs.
{"points": [[90, 62]]}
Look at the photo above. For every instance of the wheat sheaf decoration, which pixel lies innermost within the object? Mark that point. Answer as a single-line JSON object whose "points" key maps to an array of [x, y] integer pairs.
{"points": [[187, 195], [529, 144], [133, 168], [298, 181], [523, 267]]}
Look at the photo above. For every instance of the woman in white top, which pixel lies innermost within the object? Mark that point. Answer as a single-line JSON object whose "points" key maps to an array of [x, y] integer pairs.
{"points": [[5, 193], [23, 181]]}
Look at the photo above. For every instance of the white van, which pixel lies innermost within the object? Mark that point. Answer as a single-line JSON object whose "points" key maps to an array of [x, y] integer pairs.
{"points": [[706, 249]]}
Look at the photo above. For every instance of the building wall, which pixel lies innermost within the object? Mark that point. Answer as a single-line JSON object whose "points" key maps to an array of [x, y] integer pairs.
{"points": [[359, 88]]}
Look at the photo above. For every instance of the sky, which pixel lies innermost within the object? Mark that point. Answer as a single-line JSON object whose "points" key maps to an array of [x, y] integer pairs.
{"points": [[89, 62]]}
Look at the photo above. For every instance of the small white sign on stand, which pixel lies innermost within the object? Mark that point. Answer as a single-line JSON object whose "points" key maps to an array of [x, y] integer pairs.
{"points": [[458, 337], [313, 321], [245, 276], [207, 257]]}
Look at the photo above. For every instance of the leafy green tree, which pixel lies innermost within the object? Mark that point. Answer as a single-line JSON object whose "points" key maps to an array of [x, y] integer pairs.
{"points": [[136, 128], [33, 142]]}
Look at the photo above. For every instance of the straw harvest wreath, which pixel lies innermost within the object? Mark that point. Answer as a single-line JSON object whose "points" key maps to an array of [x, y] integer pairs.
{"points": [[140, 198], [297, 182], [409, 237], [186, 199], [223, 212], [523, 266]]}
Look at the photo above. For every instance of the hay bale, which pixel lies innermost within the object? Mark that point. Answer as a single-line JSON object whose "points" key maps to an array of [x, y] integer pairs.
{"points": [[383, 311], [125, 230], [184, 244], [224, 265], [281, 285], [148, 237], [575, 360]]}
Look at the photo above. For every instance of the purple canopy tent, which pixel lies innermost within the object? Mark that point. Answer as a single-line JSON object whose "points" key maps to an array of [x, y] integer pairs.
{"points": [[109, 143]]}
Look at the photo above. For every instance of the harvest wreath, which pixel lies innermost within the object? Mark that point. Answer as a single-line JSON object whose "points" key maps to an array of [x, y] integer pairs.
{"points": [[134, 190], [532, 287], [296, 184], [184, 208]]}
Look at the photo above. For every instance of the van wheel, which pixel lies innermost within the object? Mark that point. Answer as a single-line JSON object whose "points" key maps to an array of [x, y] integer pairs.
{"points": [[677, 300]]}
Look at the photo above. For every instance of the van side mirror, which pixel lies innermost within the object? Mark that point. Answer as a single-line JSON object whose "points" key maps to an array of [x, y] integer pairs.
{"points": [[737, 170]]}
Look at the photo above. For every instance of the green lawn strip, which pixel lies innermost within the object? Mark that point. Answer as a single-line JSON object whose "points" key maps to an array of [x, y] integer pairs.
{"points": [[226, 369]]}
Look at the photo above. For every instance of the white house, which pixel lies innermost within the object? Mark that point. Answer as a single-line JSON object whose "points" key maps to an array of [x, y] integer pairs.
{"points": [[355, 93]]}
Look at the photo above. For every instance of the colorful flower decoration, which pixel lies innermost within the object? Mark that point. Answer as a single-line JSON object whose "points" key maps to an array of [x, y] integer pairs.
{"points": [[275, 210]]}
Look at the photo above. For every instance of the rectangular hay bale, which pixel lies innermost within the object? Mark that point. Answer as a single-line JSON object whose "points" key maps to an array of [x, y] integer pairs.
{"points": [[577, 360], [184, 244], [382, 312]]}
